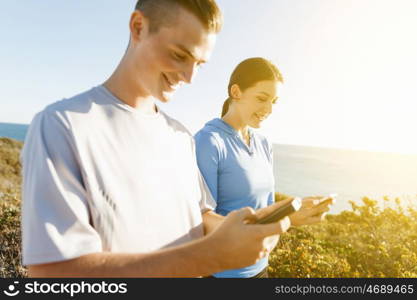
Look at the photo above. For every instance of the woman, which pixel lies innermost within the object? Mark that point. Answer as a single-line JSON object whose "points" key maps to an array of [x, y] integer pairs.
{"points": [[236, 161]]}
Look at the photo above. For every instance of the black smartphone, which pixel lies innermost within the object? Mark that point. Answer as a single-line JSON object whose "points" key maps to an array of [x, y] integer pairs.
{"points": [[281, 212]]}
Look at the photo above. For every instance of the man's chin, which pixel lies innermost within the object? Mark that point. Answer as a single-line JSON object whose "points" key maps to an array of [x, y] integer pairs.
{"points": [[165, 97]]}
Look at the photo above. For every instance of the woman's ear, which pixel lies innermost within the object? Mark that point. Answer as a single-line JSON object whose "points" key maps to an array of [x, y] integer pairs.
{"points": [[235, 92]]}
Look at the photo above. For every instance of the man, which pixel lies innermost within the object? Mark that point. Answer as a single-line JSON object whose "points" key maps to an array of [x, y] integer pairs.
{"points": [[111, 187]]}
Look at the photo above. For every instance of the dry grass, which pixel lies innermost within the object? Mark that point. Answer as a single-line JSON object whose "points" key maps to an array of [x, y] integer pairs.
{"points": [[365, 242], [10, 180]]}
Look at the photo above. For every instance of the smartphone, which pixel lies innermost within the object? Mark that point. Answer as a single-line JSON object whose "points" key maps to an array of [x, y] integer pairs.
{"points": [[326, 200], [281, 212], [330, 198]]}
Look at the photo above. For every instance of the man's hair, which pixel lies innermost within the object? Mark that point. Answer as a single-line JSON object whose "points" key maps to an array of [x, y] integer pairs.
{"points": [[164, 12]]}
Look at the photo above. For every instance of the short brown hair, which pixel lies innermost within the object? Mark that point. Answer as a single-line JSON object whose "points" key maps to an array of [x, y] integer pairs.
{"points": [[162, 12]]}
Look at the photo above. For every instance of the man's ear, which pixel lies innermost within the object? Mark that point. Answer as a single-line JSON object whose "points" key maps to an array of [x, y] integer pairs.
{"points": [[235, 92], [138, 25]]}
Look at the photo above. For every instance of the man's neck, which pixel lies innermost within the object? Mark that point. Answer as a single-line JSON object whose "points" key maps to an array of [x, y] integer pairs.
{"points": [[126, 90]]}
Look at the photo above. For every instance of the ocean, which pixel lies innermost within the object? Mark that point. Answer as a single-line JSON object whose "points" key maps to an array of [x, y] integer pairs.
{"points": [[305, 171], [14, 131]]}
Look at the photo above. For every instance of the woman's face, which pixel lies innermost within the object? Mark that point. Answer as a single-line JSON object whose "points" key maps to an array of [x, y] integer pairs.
{"points": [[254, 104]]}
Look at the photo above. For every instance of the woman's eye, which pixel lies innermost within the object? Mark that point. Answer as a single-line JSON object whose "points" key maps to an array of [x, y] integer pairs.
{"points": [[261, 99]]}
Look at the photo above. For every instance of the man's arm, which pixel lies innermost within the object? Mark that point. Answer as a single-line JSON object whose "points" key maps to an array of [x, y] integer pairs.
{"points": [[189, 260], [233, 244]]}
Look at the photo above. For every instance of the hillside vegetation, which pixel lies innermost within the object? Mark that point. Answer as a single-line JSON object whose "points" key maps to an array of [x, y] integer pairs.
{"points": [[10, 180], [365, 242]]}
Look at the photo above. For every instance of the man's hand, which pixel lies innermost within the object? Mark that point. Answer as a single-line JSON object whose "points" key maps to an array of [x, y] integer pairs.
{"points": [[270, 242], [312, 211], [237, 242]]}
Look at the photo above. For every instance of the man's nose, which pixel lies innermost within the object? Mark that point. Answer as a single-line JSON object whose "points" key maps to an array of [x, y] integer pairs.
{"points": [[187, 75], [268, 107]]}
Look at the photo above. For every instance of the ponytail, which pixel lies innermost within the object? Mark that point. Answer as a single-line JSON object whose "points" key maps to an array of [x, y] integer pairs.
{"points": [[225, 107]]}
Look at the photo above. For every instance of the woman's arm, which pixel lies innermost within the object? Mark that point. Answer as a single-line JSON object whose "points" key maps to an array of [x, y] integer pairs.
{"points": [[211, 221], [207, 152]]}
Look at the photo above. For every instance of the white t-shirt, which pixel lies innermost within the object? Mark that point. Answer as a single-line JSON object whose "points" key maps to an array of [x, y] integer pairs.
{"points": [[99, 175]]}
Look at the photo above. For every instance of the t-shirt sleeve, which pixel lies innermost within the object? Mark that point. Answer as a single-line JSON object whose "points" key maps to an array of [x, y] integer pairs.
{"points": [[208, 160], [207, 202], [269, 150], [55, 214], [270, 155], [271, 200]]}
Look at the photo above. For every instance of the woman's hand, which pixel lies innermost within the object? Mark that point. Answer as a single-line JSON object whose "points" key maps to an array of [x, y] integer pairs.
{"points": [[313, 210]]}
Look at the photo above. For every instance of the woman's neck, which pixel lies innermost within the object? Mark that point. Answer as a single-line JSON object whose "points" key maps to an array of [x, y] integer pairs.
{"points": [[238, 125]]}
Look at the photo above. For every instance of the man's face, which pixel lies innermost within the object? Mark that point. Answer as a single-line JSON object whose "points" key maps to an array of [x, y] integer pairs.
{"points": [[164, 60]]}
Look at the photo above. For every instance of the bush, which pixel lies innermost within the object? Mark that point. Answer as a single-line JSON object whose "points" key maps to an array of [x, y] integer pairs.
{"points": [[10, 180], [10, 240], [365, 242]]}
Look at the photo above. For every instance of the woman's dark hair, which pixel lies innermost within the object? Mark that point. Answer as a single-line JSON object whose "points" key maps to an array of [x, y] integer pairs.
{"points": [[248, 73]]}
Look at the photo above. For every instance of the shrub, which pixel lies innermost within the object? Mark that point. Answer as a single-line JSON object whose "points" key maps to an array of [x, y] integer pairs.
{"points": [[364, 242], [10, 180]]}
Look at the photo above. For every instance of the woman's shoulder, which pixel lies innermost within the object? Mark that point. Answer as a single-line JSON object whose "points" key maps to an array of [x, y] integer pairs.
{"points": [[210, 131], [210, 136], [207, 137]]}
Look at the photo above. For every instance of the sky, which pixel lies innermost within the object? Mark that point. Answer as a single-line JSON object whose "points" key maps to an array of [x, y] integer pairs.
{"points": [[350, 66]]}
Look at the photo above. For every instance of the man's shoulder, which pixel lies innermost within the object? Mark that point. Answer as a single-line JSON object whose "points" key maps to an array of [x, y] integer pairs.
{"points": [[79, 103], [64, 111], [54, 122], [175, 124]]}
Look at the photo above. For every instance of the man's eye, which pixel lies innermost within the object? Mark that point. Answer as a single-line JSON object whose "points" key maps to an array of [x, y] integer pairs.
{"points": [[178, 57], [262, 99]]}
